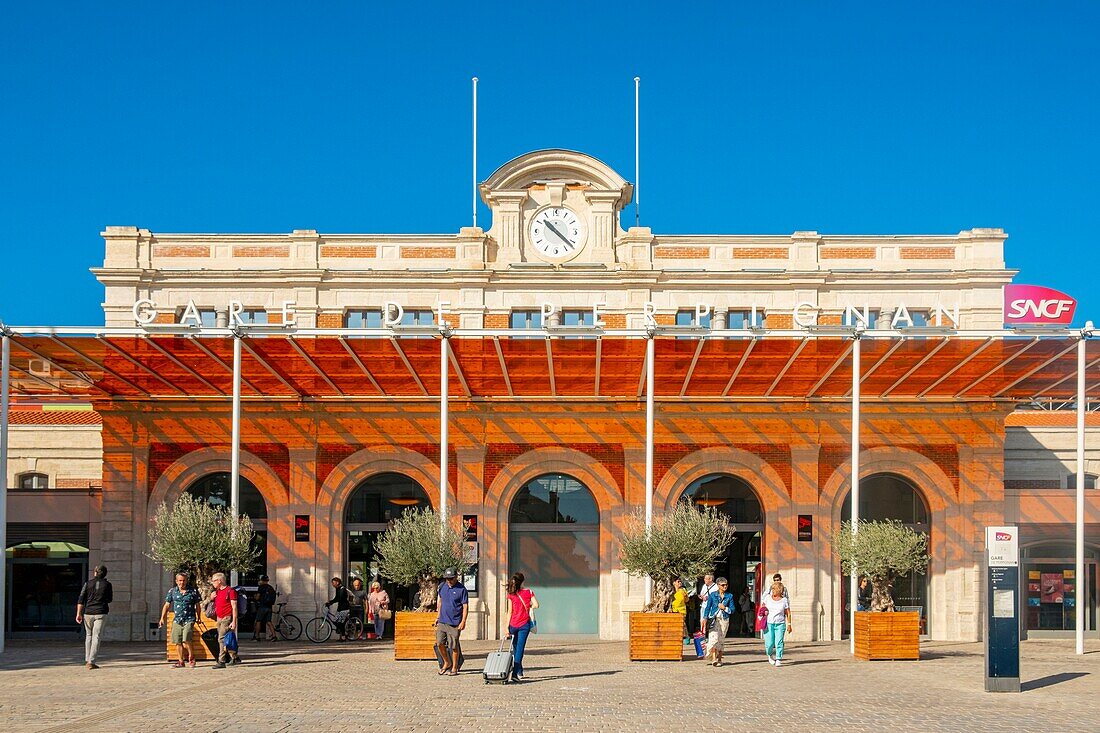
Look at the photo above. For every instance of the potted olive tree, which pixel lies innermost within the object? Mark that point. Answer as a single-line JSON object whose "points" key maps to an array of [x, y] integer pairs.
{"points": [[683, 543], [415, 550], [196, 538], [883, 551]]}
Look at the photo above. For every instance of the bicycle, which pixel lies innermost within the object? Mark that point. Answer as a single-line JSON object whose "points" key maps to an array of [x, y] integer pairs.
{"points": [[287, 625], [320, 629]]}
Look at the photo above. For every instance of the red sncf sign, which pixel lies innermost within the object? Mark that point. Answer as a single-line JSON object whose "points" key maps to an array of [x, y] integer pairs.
{"points": [[1035, 305], [1003, 537]]}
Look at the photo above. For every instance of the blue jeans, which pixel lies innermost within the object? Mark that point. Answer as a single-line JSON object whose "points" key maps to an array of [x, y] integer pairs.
{"points": [[773, 638], [519, 642], [379, 625]]}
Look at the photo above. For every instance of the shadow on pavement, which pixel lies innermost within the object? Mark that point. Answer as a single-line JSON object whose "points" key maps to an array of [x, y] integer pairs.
{"points": [[1052, 679], [531, 681]]}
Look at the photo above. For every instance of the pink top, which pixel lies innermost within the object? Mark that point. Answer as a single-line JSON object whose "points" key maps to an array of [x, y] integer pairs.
{"points": [[521, 605]]}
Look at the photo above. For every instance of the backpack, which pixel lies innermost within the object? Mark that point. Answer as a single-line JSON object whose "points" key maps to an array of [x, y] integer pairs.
{"points": [[242, 600]]}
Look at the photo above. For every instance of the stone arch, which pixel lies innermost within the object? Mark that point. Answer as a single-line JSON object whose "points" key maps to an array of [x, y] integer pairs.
{"points": [[929, 480], [556, 163], [346, 477], [196, 464], [749, 467]]}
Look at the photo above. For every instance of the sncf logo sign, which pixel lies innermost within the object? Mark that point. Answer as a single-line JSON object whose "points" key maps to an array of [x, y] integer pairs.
{"points": [[1034, 305], [1003, 537]]}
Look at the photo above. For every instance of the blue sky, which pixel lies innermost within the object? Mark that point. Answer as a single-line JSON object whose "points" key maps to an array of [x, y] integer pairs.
{"points": [[352, 117]]}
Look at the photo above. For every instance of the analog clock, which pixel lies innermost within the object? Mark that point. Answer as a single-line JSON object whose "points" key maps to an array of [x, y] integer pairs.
{"points": [[557, 233]]}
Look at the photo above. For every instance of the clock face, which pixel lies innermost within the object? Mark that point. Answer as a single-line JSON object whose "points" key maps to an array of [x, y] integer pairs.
{"points": [[557, 233]]}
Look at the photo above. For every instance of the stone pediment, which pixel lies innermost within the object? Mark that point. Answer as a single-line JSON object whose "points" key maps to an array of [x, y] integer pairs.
{"points": [[556, 166]]}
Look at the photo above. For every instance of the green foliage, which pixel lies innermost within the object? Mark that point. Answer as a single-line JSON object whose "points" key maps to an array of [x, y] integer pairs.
{"points": [[416, 549], [883, 551], [196, 538], [684, 542]]}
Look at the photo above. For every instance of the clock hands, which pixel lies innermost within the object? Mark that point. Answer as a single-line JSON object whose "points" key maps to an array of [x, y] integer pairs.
{"points": [[562, 237]]}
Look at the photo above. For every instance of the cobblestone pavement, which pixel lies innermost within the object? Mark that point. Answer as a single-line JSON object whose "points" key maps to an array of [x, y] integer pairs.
{"points": [[572, 684]]}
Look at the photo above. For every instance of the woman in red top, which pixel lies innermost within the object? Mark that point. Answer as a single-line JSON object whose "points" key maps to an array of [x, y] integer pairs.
{"points": [[521, 620]]}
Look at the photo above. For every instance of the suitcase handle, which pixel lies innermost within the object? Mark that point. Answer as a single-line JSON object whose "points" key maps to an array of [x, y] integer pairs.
{"points": [[507, 638]]}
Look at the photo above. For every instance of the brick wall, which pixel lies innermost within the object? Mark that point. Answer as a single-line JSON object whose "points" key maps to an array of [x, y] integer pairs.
{"points": [[848, 253], [928, 253], [330, 320], [181, 250], [271, 250], [497, 320], [349, 251], [428, 253], [681, 253], [759, 253]]}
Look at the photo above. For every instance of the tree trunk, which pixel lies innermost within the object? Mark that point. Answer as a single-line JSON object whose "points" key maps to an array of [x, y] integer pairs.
{"points": [[427, 595], [881, 600], [661, 599]]}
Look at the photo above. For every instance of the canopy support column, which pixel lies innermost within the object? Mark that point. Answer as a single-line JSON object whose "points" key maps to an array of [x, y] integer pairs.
{"points": [[1079, 566], [5, 390], [444, 379], [853, 587], [235, 445], [650, 351]]}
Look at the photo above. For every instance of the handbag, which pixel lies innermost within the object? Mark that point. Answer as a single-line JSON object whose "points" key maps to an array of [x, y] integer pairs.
{"points": [[231, 641], [530, 615], [385, 614], [762, 618]]}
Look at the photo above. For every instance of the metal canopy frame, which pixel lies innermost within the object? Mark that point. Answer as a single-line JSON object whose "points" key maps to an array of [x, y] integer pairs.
{"points": [[99, 388]]}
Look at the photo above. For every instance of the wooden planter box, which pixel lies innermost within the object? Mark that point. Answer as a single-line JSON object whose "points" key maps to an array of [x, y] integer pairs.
{"points": [[197, 647], [413, 635], [887, 635], [656, 637]]}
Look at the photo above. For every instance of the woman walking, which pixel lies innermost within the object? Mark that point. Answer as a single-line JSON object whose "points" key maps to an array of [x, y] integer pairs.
{"points": [[521, 620], [377, 602], [357, 599], [716, 621], [680, 603], [779, 622]]}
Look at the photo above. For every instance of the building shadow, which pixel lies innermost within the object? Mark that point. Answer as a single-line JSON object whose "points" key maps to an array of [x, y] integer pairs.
{"points": [[551, 678], [1050, 679]]}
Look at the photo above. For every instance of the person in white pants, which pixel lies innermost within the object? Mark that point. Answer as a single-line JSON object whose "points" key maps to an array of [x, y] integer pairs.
{"points": [[92, 607]]}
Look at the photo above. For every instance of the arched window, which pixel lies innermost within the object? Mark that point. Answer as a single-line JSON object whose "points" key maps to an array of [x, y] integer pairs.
{"points": [[382, 498], [31, 481], [729, 494], [214, 490], [554, 499]]}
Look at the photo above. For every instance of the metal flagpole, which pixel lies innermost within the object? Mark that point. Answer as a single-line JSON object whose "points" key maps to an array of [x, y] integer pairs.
{"points": [[474, 158], [649, 353], [444, 378], [637, 165], [235, 449], [853, 586], [1079, 564], [5, 367]]}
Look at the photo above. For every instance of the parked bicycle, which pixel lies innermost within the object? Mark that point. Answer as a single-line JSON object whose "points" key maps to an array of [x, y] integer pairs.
{"points": [[320, 629], [287, 625]]}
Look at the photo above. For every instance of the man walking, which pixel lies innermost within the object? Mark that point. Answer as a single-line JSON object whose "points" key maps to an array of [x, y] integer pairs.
{"points": [[92, 607], [265, 602], [184, 603], [225, 611], [454, 606], [708, 588]]}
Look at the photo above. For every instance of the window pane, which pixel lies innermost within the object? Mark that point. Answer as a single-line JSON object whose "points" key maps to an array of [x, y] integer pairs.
{"points": [[576, 317], [555, 499], [383, 498], [209, 318], [685, 318], [920, 318], [33, 481], [214, 490], [849, 320]]}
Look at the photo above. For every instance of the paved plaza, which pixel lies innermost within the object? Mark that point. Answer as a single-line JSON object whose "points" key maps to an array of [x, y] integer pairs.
{"points": [[573, 684]]}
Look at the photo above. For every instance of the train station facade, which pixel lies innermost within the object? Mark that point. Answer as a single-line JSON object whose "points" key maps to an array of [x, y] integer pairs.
{"points": [[523, 349]]}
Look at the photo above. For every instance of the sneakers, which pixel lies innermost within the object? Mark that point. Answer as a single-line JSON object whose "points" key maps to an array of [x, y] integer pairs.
{"points": [[778, 663], [771, 660], [219, 664], [235, 660]]}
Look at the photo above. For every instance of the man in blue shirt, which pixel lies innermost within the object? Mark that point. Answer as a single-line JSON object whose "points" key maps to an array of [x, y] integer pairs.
{"points": [[454, 605], [184, 603]]}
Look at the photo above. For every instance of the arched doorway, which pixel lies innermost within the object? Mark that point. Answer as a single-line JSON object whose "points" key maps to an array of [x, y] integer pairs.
{"points": [[214, 489], [734, 497], [373, 504], [554, 540], [889, 496]]}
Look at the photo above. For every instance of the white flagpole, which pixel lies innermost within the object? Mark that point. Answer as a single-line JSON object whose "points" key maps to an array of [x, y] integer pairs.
{"points": [[474, 157], [637, 167], [1079, 539]]}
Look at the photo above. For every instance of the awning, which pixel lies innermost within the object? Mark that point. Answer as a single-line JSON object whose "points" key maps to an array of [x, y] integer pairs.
{"points": [[46, 550], [698, 365]]}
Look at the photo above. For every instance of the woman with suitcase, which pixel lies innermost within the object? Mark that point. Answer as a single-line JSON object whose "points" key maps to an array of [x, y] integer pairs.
{"points": [[521, 620]]}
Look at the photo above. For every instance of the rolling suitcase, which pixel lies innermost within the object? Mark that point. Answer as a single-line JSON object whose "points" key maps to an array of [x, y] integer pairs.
{"points": [[498, 665]]}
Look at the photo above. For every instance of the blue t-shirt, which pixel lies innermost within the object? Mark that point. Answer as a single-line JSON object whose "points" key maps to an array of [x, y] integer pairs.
{"points": [[183, 604], [451, 601], [711, 609]]}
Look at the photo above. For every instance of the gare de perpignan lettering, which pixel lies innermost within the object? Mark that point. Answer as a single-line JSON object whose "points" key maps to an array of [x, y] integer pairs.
{"points": [[805, 314]]}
